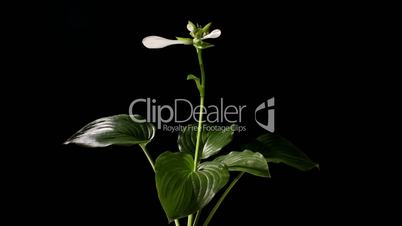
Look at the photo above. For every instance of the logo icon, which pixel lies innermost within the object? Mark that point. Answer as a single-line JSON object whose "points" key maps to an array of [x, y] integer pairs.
{"points": [[268, 105]]}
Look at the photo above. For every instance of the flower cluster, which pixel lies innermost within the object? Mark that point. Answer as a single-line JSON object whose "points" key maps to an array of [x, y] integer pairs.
{"points": [[197, 32]]}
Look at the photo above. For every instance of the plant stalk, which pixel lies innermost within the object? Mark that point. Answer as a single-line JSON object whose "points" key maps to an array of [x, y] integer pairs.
{"points": [[143, 147], [197, 217], [219, 202], [190, 220], [200, 118]]}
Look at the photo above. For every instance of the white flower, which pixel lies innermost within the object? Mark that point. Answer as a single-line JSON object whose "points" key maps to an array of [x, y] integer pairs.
{"points": [[214, 34], [157, 42], [190, 26]]}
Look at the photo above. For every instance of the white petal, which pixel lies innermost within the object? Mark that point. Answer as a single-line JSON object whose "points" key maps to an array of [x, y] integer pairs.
{"points": [[190, 27], [156, 42], [214, 34]]}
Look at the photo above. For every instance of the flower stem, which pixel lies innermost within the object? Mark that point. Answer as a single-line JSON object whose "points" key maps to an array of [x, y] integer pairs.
{"points": [[177, 222], [199, 128], [143, 147], [202, 95], [219, 202], [199, 54]]}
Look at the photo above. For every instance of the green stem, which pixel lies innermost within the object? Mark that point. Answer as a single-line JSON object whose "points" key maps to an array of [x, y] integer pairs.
{"points": [[197, 217], [199, 132], [202, 94], [143, 147], [200, 62], [190, 220], [219, 202], [201, 89]]}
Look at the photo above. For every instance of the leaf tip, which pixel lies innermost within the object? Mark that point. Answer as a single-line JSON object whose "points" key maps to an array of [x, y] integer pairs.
{"points": [[67, 142], [191, 77]]}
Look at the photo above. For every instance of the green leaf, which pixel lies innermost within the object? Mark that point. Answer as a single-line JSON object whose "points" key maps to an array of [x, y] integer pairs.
{"points": [[206, 45], [205, 29], [117, 129], [203, 45], [246, 161], [196, 80], [277, 149], [183, 191], [193, 77], [211, 141]]}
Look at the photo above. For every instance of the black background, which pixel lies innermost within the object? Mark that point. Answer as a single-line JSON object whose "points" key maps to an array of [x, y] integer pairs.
{"points": [[78, 61]]}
